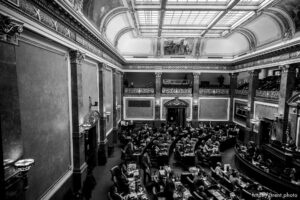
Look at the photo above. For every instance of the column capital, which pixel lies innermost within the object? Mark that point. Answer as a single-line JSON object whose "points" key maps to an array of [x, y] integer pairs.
{"points": [[10, 29], [233, 75], [254, 72], [196, 74], [286, 68], [76, 56], [158, 74]]}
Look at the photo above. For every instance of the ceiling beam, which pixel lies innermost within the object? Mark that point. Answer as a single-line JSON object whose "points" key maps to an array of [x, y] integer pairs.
{"points": [[220, 16], [133, 17], [161, 16], [195, 7]]}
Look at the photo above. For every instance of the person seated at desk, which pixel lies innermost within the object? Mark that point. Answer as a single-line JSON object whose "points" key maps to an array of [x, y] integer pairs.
{"points": [[169, 188], [122, 182], [291, 143], [218, 169], [201, 192], [129, 148], [294, 176], [234, 178], [146, 166], [115, 195]]}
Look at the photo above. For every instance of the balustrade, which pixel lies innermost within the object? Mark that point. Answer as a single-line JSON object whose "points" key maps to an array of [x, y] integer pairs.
{"points": [[267, 94], [215, 91], [139, 90]]}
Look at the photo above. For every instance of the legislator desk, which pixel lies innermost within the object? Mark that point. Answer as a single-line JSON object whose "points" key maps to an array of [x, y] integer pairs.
{"points": [[261, 174]]}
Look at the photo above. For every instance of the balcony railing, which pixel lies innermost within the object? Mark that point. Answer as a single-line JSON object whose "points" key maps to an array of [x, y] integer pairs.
{"points": [[241, 92], [216, 91], [177, 90], [139, 90], [267, 94]]}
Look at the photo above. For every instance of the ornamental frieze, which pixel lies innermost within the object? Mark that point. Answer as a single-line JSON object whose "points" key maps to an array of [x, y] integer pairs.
{"points": [[59, 22]]}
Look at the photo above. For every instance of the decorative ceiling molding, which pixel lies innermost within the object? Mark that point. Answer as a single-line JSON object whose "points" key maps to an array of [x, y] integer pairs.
{"points": [[120, 33], [71, 16], [109, 16], [284, 21], [133, 16], [250, 36]]}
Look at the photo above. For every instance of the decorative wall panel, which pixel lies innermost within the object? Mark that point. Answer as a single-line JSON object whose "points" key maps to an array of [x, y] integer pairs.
{"points": [[136, 108], [45, 121], [214, 109]]}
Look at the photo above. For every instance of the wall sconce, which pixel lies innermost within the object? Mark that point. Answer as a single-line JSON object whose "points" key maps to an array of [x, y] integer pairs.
{"points": [[107, 114], [85, 126], [278, 116], [24, 166], [157, 102], [195, 102], [246, 108], [254, 121], [118, 106], [91, 104]]}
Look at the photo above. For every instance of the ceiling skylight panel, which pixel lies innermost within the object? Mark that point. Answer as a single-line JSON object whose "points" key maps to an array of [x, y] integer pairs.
{"points": [[198, 2], [205, 17], [250, 2], [147, 17], [141, 2], [231, 17]]}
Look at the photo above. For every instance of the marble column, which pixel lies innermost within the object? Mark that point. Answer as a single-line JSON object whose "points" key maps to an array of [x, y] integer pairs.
{"points": [[287, 84], [79, 164], [196, 82], [157, 96], [253, 83], [233, 86], [103, 146]]}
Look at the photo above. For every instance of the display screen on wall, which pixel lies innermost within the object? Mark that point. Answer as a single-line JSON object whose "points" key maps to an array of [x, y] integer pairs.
{"points": [[139, 103]]}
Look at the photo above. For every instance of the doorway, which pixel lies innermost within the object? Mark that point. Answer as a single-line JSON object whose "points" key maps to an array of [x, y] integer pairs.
{"points": [[176, 112], [176, 116]]}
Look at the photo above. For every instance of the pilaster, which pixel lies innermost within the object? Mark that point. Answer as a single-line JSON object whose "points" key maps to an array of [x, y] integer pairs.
{"points": [[287, 83], [79, 164], [233, 86], [196, 82], [157, 94], [253, 83], [102, 150]]}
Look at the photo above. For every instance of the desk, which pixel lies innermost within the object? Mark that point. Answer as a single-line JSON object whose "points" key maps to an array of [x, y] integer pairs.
{"points": [[269, 179]]}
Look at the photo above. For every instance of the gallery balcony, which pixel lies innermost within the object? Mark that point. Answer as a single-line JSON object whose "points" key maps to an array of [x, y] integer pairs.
{"points": [[175, 91], [213, 92], [241, 93], [139, 91], [273, 95]]}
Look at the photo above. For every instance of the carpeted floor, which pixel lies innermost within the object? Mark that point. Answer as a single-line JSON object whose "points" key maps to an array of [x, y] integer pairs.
{"points": [[103, 176], [228, 157]]}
